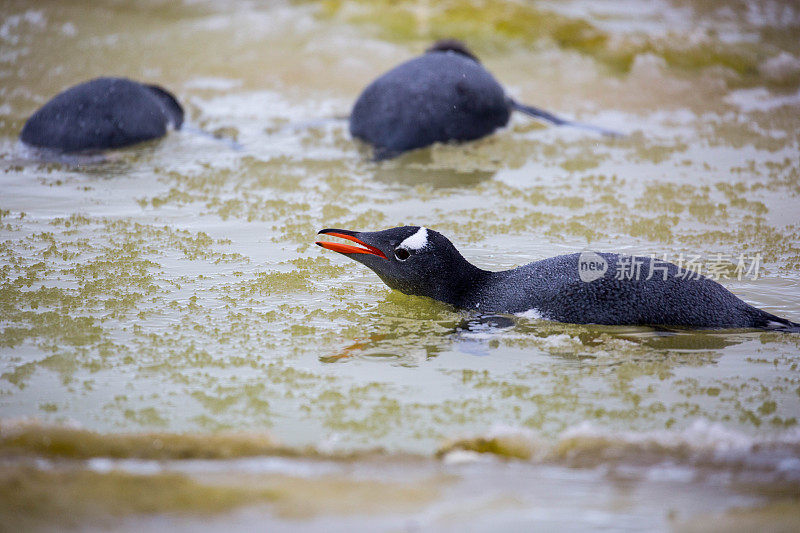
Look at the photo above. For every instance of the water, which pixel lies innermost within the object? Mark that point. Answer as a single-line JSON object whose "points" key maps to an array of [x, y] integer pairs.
{"points": [[173, 289]]}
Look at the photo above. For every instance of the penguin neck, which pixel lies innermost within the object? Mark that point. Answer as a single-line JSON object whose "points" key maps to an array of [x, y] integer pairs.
{"points": [[463, 285]]}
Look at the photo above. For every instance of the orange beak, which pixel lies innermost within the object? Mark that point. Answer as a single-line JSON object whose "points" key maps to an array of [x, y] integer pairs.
{"points": [[347, 248]]}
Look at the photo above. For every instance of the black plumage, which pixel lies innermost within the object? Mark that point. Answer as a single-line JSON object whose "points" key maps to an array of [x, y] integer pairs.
{"points": [[103, 113], [443, 95]]}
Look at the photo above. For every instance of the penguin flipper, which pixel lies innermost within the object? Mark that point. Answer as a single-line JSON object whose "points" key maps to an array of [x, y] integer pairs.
{"points": [[535, 112]]}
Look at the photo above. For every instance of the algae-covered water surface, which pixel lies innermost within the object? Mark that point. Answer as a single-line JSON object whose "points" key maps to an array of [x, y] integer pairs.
{"points": [[175, 351]]}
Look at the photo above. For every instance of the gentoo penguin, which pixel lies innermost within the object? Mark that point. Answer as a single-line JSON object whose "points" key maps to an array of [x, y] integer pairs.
{"points": [[103, 113], [419, 261], [443, 95]]}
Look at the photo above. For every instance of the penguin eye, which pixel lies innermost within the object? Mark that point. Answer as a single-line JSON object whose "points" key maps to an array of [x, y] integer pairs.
{"points": [[401, 254]]}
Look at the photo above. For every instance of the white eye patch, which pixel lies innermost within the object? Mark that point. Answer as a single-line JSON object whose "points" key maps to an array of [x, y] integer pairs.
{"points": [[417, 241]]}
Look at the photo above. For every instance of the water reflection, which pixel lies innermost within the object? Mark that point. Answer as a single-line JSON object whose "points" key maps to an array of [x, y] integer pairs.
{"points": [[480, 334], [422, 167]]}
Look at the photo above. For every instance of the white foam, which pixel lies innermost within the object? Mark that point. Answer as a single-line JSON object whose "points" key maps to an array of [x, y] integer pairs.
{"points": [[532, 313], [663, 454], [459, 457], [760, 99], [251, 465], [707, 442], [417, 241], [215, 83]]}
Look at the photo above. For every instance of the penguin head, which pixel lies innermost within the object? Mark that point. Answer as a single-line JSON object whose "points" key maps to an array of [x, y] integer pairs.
{"points": [[452, 45], [411, 259]]}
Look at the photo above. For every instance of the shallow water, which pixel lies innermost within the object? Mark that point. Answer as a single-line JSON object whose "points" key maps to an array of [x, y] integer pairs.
{"points": [[174, 287]]}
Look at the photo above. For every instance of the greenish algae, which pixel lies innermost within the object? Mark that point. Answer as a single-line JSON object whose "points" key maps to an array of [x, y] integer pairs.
{"points": [[32, 499], [35, 497], [20, 438], [511, 446], [183, 314], [497, 23]]}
